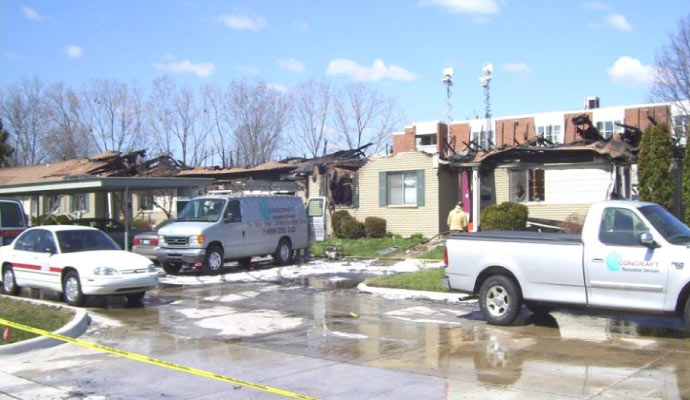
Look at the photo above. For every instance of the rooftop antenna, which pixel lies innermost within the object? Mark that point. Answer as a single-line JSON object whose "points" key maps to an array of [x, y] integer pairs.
{"points": [[486, 80], [448, 81]]}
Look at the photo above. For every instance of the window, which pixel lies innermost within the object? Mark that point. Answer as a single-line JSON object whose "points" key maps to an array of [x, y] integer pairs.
{"points": [[485, 139], [26, 241], [146, 202], [80, 202], [45, 242], [51, 204], [426, 140], [681, 123], [527, 185], [621, 227], [608, 128], [233, 211], [551, 133], [402, 188]]}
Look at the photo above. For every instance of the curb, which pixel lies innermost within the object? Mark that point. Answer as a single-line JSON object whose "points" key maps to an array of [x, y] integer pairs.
{"points": [[75, 328], [399, 294]]}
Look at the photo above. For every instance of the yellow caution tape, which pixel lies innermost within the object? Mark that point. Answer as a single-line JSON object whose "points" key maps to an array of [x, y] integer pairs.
{"points": [[155, 361]]}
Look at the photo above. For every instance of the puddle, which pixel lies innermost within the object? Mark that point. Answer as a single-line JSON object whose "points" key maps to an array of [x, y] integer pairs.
{"points": [[325, 282]]}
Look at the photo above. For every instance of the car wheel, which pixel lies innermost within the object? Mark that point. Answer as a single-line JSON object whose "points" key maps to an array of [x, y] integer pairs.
{"points": [[245, 262], [283, 254], [213, 263], [500, 300], [9, 283], [171, 269], [135, 298], [71, 289]]}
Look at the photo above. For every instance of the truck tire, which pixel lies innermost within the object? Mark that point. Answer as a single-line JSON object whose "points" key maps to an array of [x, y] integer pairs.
{"points": [[214, 261], [686, 313], [283, 254], [500, 300], [170, 268]]}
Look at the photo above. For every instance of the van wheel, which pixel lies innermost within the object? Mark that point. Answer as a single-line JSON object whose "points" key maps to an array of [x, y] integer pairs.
{"points": [[213, 263], [283, 254], [71, 289], [170, 268], [9, 283], [500, 300]]}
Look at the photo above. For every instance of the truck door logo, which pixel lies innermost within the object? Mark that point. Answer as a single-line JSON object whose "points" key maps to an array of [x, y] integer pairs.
{"points": [[613, 262]]}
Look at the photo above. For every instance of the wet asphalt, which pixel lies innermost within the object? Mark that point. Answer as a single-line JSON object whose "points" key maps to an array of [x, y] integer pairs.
{"points": [[335, 343]]}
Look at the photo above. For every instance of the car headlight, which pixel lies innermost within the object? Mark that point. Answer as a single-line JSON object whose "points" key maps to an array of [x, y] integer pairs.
{"points": [[105, 271], [151, 268]]}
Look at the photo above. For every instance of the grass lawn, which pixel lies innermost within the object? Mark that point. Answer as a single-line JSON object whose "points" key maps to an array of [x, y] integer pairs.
{"points": [[426, 279], [366, 247], [38, 316], [435, 254]]}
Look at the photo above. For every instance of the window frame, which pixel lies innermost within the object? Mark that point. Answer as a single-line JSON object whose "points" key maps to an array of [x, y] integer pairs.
{"points": [[527, 187], [601, 127], [548, 132], [389, 188]]}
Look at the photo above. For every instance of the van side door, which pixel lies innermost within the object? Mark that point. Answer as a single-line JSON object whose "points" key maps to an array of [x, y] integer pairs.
{"points": [[620, 271], [316, 211], [234, 232]]}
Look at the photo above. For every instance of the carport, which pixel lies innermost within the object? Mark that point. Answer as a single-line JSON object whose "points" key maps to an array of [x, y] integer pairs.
{"points": [[89, 184]]}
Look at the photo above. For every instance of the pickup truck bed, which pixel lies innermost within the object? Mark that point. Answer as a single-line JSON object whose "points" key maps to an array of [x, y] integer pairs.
{"points": [[527, 237]]}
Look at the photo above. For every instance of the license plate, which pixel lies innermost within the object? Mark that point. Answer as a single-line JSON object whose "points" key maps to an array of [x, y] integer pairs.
{"points": [[146, 242]]}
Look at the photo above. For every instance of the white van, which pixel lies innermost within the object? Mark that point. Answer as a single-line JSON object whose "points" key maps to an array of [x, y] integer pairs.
{"points": [[12, 220], [213, 229]]}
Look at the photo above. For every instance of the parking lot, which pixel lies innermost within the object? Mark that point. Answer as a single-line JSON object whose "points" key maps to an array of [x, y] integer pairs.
{"points": [[336, 343]]}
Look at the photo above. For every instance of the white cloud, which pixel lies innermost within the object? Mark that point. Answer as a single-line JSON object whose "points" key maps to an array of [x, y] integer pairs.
{"points": [[184, 66], [630, 71], [74, 51], [376, 72], [519, 68], [31, 14], [277, 87], [619, 22], [249, 70], [243, 22], [291, 65], [485, 7], [596, 5]]}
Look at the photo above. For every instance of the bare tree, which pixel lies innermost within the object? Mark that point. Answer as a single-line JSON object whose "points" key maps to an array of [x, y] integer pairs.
{"points": [[364, 115], [180, 125], [259, 114], [25, 111], [114, 116], [672, 78], [220, 124], [67, 137], [311, 107]]}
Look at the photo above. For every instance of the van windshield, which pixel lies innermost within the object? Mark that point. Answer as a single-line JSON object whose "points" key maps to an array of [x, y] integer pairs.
{"points": [[208, 210]]}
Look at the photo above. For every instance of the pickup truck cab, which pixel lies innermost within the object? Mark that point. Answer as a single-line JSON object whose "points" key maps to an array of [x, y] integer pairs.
{"points": [[630, 256]]}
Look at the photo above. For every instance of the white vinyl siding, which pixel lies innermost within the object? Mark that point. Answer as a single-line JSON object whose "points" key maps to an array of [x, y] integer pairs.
{"points": [[566, 184]]}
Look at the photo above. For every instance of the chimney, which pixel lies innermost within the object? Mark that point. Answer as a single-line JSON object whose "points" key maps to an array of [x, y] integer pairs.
{"points": [[591, 103]]}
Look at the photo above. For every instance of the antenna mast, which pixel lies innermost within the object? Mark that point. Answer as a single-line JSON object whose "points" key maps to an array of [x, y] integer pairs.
{"points": [[486, 80]]}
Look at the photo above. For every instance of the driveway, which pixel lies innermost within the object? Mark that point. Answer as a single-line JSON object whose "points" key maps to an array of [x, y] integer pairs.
{"points": [[339, 344]]}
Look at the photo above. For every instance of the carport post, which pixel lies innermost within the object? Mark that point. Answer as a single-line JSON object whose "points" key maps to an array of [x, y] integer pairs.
{"points": [[128, 216]]}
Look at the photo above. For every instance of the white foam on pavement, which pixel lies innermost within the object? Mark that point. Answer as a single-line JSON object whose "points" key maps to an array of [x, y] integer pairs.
{"points": [[250, 323]]}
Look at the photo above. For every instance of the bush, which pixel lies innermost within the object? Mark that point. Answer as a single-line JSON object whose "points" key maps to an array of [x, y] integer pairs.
{"points": [[506, 216], [350, 228], [375, 227], [336, 220], [50, 219], [417, 236], [654, 166], [139, 224]]}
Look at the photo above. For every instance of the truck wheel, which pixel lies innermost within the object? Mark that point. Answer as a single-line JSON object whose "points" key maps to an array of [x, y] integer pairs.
{"points": [[170, 268], [71, 290], [9, 283], [283, 254], [686, 314], [500, 300], [213, 264]]}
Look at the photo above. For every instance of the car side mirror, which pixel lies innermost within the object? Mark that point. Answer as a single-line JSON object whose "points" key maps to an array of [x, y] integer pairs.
{"points": [[51, 250], [647, 240]]}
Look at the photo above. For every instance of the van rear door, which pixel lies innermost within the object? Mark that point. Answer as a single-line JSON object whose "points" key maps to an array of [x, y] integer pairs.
{"points": [[316, 211]]}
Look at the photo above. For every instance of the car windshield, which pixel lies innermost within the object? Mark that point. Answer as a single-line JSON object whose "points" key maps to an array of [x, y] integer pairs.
{"points": [[73, 241], [668, 225], [202, 210]]}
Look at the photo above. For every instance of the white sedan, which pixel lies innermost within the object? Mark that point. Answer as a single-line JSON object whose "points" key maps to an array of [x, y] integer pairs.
{"points": [[77, 261]]}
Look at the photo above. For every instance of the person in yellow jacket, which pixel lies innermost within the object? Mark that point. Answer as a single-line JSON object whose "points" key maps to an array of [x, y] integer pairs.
{"points": [[457, 219]]}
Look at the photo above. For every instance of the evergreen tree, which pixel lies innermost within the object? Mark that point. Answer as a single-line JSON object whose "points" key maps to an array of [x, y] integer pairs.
{"points": [[654, 166], [686, 184], [6, 151]]}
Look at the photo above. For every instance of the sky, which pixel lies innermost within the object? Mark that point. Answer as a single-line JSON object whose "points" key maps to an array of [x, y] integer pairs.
{"points": [[548, 55]]}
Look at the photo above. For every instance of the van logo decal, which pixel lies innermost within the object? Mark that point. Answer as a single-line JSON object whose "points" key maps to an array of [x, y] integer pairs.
{"points": [[265, 210], [613, 262]]}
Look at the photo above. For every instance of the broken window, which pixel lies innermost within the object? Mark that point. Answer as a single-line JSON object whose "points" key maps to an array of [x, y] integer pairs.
{"points": [[341, 187], [527, 185]]}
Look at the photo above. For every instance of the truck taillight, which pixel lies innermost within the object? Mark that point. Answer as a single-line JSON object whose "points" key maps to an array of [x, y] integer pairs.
{"points": [[137, 241], [445, 257], [154, 242]]}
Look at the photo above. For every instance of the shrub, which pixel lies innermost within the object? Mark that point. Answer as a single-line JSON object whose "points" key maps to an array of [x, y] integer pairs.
{"points": [[417, 236], [50, 219], [350, 228], [506, 216], [139, 224], [336, 220], [654, 166], [375, 227]]}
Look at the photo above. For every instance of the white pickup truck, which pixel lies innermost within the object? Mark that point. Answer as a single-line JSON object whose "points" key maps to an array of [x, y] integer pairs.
{"points": [[630, 256]]}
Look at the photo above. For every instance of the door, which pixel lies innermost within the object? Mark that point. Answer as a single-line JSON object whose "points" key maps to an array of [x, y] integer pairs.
{"points": [[316, 211], [24, 259], [234, 232], [621, 272], [43, 252]]}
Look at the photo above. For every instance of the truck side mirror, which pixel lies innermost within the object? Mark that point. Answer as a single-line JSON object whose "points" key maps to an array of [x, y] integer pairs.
{"points": [[647, 240], [227, 218]]}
